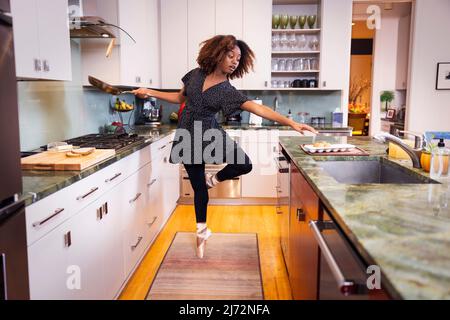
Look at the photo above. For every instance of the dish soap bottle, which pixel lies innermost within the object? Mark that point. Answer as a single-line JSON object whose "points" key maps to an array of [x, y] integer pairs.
{"points": [[289, 115]]}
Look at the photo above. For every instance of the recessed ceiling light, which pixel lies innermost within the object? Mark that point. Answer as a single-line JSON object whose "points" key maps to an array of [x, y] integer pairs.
{"points": [[105, 35]]}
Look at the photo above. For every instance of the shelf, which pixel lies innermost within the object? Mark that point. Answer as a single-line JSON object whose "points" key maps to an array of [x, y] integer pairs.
{"points": [[306, 31], [295, 72], [294, 52]]}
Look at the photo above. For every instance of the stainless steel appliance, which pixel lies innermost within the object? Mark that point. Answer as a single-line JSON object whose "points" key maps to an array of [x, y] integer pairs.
{"points": [[148, 113], [119, 142], [13, 244], [229, 189], [283, 200], [341, 272]]}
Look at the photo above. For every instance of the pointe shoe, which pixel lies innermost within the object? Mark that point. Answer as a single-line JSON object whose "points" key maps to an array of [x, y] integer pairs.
{"points": [[208, 179], [202, 237]]}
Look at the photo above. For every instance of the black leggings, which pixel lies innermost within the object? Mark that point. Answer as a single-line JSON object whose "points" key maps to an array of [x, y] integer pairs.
{"points": [[196, 173]]}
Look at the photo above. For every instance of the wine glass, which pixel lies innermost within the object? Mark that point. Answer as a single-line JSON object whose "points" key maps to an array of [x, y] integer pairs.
{"points": [[275, 21], [284, 41], [301, 41], [292, 41], [293, 21], [314, 43], [302, 21], [275, 41], [284, 21], [311, 21]]}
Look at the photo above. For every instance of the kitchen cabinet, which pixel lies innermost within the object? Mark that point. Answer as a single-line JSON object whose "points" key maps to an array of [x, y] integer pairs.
{"points": [[201, 26], [131, 63], [262, 148], [303, 249], [401, 81], [79, 259], [41, 39], [104, 235], [174, 43], [256, 31], [336, 22]]}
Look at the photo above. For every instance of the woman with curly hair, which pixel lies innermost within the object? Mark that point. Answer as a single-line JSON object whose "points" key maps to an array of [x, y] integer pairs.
{"points": [[199, 139]]}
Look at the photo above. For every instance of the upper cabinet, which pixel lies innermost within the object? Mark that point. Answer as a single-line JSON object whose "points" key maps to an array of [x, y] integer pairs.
{"points": [[174, 43], [41, 39], [131, 63], [336, 34], [187, 23]]}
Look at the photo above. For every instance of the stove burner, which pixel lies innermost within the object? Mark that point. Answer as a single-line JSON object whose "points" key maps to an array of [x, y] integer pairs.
{"points": [[118, 142]]}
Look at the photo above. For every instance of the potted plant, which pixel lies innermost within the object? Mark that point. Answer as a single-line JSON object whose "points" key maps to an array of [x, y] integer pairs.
{"points": [[387, 97]]}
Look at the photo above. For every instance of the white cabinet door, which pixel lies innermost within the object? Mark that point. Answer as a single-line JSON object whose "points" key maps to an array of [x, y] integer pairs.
{"points": [[257, 15], [335, 44], [171, 181], [26, 38], [138, 58], [41, 39], [174, 43], [262, 180], [229, 20], [54, 39], [201, 26]]}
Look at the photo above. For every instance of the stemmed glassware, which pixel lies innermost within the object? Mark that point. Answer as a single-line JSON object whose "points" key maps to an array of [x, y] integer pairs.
{"points": [[275, 21], [275, 41], [314, 43], [301, 41], [293, 21], [284, 21], [311, 21], [302, 21], [284, 41], [292, 41]]}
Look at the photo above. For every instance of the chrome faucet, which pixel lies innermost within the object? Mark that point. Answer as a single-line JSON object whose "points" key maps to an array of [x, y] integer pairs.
{"points": [[414, 154]]}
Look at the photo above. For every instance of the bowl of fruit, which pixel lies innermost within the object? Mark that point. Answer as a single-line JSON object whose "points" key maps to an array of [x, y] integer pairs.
{"points": [[122, 106]]}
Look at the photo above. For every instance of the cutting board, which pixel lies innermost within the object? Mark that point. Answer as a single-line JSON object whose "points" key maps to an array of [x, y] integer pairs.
{"points": [[58, 161]]}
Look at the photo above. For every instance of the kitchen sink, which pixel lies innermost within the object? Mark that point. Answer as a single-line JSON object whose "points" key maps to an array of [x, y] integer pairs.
{"points": [[379, 171]]}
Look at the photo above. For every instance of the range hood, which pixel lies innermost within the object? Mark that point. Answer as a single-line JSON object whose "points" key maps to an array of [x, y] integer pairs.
{"points": [[89, 27], [86, 22]]}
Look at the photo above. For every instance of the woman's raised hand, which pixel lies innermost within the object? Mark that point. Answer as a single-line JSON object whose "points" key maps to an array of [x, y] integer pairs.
{"points": [[142, 93], [300, 127]]}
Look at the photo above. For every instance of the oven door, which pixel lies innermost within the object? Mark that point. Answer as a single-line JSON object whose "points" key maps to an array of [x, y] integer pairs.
{"points": [[341, 273], [229, 189]]}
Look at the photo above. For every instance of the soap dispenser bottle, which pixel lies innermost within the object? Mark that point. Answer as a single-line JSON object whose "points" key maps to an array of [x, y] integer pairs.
{"points": [[289, 115]]}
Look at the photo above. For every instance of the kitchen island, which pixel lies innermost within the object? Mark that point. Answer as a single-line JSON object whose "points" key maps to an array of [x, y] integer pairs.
{"points": [[402, 228]]}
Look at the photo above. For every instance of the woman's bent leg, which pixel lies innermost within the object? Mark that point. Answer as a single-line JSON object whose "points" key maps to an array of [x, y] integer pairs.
{"points": [[196, 173], [236, 168]]}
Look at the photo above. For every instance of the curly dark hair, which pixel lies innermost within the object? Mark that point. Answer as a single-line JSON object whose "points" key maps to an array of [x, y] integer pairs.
{"points": [[213, 51]]}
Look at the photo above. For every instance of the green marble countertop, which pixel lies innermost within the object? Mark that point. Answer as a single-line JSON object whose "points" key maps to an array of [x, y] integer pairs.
{"points": [[39, 184], [325, 128], [404, 229]]}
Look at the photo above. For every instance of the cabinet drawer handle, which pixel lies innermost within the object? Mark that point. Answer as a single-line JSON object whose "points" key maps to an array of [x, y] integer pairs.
{"points": [[68, 239], [135, 198], [347, 287], [100, 213], [113, 178], [105, 208], [151, 223], [46, 66], [40, 223], [137, 243], [301, 216], [151, 183], [3, 278], [160, 148], [37, 65], [87, 194]]}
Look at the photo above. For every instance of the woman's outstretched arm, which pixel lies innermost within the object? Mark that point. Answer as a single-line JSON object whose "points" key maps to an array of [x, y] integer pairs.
{"points": [[172, 97], [267, 113]]}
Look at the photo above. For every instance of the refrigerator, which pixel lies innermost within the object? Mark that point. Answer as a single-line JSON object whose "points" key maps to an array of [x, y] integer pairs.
{"points": [[13, 245]]}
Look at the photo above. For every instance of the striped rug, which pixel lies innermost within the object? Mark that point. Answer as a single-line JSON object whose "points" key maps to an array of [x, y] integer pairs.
{"points": [[229, 270]]}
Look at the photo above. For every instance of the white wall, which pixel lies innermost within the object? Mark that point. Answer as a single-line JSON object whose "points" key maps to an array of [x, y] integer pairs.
{"points": [[429, 109]]}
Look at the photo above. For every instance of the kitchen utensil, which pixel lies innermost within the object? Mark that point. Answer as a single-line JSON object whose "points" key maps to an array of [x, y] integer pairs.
{"points": [[105, 87]]}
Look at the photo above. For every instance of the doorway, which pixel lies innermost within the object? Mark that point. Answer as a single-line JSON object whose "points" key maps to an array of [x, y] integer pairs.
{"points": [[380, 65]]}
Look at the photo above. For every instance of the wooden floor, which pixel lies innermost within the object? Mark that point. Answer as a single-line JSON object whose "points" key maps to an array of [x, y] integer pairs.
{"points": [[262, 220]]}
